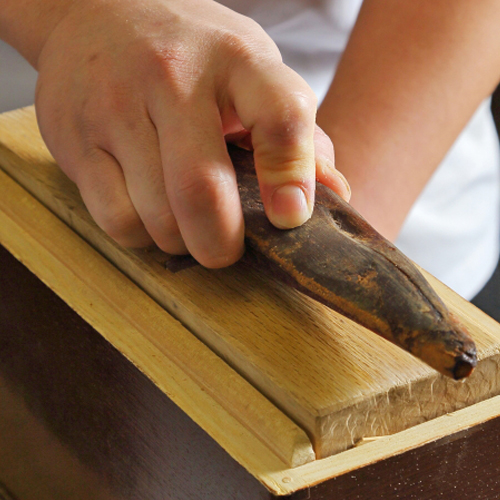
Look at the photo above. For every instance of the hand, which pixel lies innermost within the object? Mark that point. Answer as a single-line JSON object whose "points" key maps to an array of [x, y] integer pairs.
{"points": [[135, 102]]}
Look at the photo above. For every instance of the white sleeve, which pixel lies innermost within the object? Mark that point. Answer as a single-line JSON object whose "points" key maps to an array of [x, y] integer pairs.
{"points": [[17, 80]]}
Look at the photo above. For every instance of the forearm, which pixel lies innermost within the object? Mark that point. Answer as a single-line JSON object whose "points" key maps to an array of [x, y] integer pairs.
{"points": [[412, 75], [26, 24]]}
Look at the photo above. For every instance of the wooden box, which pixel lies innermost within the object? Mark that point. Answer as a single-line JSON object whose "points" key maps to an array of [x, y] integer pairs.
{"points": [[295, 393]]}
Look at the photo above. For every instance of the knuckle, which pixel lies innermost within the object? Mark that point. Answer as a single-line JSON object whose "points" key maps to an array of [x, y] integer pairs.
{"points": [[165, 231], [165, 223], [170, 59], [201, 187], [251, 44], [89, 134], [279, 170], [239, 46], [75, 163], [122, 225], [288, 118], [174, 66]]}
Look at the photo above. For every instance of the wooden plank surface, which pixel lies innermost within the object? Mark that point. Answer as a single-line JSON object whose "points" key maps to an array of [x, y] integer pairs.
{"points": [[240, 418], [338, 381]]}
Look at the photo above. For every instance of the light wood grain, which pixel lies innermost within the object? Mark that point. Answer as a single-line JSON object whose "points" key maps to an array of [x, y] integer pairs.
{"points": [[338, 381], [319, 471], [44, 248], [239, 417]]}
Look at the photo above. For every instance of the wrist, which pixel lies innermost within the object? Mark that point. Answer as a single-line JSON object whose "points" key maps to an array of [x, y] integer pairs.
{"points": [[27, 24]]}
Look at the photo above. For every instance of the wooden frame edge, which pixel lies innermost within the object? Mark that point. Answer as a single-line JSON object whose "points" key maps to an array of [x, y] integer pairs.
{"points": [[258, 435], [309, 475]]}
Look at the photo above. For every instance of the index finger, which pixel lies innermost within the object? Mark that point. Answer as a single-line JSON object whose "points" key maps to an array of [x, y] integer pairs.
{"points": [[279, 109]]}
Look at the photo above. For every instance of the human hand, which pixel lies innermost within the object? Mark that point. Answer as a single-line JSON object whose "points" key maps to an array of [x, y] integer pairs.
{"points": [[135, 103]]}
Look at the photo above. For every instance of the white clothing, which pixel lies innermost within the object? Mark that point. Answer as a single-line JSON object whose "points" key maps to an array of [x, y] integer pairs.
{"points": [[453, 229], [17, 80]]}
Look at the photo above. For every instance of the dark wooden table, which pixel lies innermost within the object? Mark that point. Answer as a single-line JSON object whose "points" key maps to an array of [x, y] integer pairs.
{"points": [[78, 421]]}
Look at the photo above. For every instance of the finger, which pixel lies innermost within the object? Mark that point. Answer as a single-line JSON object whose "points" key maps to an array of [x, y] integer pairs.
{"points": [[241, 139], [102, 187], [138, 152], [326, 173], [279, 110], [201, 183]]}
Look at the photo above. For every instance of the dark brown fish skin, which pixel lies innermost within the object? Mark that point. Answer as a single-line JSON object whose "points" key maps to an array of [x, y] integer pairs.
{"points": [[338, 259]]}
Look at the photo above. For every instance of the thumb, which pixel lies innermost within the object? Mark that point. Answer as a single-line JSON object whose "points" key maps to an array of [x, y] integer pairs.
{"points": [[279, 109]]}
